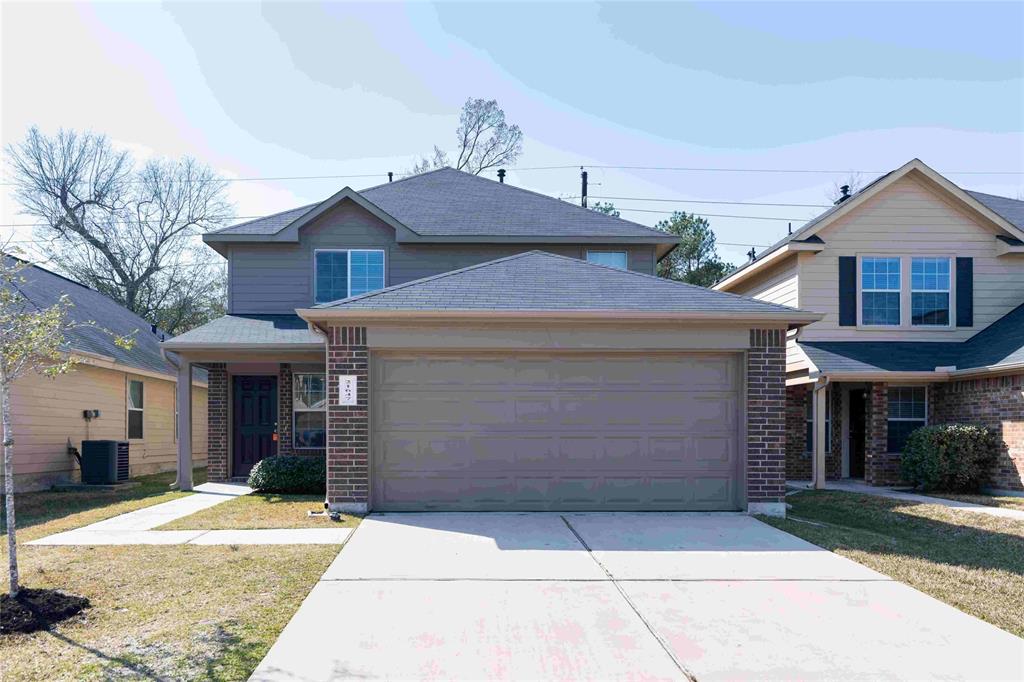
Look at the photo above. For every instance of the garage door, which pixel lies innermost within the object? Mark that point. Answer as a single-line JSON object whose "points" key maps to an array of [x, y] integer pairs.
{"points": [[555, 432]]}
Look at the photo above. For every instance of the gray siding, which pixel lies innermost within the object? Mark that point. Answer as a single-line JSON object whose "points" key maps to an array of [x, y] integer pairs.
{"points": [[277, 278]]}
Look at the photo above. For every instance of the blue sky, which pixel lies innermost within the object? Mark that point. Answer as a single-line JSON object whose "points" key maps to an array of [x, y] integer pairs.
{"points": [[344, 88]]}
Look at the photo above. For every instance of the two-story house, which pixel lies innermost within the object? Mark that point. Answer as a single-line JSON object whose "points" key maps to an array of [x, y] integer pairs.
{"points": [[452, 342], [920, 285]]}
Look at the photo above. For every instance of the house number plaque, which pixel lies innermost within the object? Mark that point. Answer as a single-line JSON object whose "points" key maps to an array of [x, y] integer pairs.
{"points": [[348, 394]]}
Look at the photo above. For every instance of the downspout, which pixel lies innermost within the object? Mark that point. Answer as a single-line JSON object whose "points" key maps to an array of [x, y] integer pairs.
{"points": [[182, 399], [819, 396]]}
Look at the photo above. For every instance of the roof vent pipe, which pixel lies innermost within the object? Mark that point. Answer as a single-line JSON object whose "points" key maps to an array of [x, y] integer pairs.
{"points": [[791, 228], [501, 175], [583, 187], [752, 253], [845, 189], [391, 176]]}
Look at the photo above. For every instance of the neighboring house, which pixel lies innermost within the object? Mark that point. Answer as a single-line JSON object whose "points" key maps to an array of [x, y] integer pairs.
{"points": [[921, 288], [451, 342], [133, 389]]}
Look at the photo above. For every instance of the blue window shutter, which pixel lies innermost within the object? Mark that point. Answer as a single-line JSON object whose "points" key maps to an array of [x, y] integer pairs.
{"points": [[847, 291], [965, 292]]}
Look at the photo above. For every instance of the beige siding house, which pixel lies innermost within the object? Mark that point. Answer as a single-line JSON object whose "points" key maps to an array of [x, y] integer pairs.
{"points": [[920, 285], [48, 414]]}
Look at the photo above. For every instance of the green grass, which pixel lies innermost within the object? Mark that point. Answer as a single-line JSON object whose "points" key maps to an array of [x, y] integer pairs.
{"points": [[262, 511], [986, 500], [972, 561], [178, 612], [45, 513]]}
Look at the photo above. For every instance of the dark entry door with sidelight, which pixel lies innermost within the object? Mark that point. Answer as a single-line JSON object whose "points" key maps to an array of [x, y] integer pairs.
{"points": [[858, 431], [255, 421]]}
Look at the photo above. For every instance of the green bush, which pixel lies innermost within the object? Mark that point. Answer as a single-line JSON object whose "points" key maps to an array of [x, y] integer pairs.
{"points": [[290, 474], [951, 457]]}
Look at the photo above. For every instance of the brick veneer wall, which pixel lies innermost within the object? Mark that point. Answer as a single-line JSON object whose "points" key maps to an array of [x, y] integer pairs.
{"points": [[217, 422], [995, 402], [285, 386], [881, 467], [348, 427], [798, 460], [766, 420], [799, 464]]}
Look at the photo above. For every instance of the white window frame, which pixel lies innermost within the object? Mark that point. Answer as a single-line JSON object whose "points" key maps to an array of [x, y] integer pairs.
{"points": [[890, 418], [296, 410], [861, 291], [906, 293], [948, 292], [809, 419], [348, 268], [129, 409], [625, 255]]}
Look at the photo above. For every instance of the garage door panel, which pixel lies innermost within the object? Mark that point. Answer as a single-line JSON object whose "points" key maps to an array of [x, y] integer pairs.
{"points": [[556, 432]]}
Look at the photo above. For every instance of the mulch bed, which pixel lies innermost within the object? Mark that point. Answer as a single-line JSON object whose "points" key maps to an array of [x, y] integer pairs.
{"points": [[35, 610]]}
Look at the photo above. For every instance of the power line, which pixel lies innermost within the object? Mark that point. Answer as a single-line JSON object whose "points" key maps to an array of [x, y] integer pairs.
{"points": [[712, 215], [723, 203]]}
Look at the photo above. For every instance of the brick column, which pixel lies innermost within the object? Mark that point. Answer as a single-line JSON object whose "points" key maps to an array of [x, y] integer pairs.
{"points": [[348, 427], [766, 422], [284, 409], [880, 467], [217, 422], [834, 459]]}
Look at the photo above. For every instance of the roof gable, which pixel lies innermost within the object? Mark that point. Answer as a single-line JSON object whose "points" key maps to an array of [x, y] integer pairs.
{"points": [[969, 201]]}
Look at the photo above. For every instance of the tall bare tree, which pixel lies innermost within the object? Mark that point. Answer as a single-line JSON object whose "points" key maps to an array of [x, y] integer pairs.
{"points": [[485, 140], [130, 233]]}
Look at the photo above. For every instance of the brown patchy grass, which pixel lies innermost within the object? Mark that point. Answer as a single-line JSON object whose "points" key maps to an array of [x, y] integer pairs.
{"points": [[986, 500], [262, 511], [972, 561], [180, 612], [45, 513]]}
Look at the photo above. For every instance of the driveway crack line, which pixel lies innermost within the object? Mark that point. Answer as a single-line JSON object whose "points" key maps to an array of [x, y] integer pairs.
{"points": [[687, 674]]}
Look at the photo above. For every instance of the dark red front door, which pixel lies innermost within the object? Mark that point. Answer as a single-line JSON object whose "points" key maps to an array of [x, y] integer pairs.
{"points": [[255, 418]]}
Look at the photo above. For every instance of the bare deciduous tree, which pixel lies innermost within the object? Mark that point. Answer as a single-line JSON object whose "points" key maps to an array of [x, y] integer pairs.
{"points": [[129, 233], [485, 141]]}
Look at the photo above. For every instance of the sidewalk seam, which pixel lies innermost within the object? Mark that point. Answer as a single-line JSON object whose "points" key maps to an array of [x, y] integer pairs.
{"points": [[650, 628]]}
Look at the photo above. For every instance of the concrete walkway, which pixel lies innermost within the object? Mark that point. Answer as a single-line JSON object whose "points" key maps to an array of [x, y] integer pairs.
{"points": [[649, 596], [852, 486], [136, 527]]}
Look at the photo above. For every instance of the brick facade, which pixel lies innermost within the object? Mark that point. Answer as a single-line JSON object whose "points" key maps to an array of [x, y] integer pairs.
{"points": [[348, 427], [285, 386], [995, 402], [766, 421], [881, 467], [217, 422], [799, 465]]}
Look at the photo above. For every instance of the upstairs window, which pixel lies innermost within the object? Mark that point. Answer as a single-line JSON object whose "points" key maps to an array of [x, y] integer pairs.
{"points": [[880, 291], [613, 259], [341, 273], [929, 292]]}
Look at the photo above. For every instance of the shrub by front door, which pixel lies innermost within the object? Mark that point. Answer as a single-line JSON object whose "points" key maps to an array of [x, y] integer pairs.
{"points": [[254, 405]]}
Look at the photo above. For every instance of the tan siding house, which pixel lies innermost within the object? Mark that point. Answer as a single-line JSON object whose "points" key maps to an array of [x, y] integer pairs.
{"points": [[48, 414], [921, 288]]}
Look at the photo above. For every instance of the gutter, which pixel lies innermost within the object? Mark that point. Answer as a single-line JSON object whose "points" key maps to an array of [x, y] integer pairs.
{"points": [[602, 316]]}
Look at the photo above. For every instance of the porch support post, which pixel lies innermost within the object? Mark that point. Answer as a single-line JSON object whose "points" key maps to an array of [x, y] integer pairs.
{"points": [[183, 398], [818, 459]]}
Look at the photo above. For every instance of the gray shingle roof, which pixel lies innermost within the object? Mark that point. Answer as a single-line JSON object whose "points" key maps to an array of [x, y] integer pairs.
{"points": [[249, 330], [1012, 210], [999, 344], [43, 289], [450, 203], [539, 281]]}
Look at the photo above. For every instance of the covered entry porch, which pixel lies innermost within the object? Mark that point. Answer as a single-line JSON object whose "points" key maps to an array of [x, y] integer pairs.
{"points": [[267, 392]]}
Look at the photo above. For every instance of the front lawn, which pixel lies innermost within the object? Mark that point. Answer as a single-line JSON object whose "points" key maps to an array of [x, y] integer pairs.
{"points": [[45, 513], [181, 612], [986, 500], [972, 561], [262, 511]]}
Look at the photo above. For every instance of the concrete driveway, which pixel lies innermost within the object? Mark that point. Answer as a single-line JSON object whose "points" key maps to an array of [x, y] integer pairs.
{"points": [[618, 596]]}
